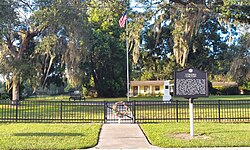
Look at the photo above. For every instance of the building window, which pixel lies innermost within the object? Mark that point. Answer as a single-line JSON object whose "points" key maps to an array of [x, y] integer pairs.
{"points": [[135, 88], [157, 88], [146, 89]]}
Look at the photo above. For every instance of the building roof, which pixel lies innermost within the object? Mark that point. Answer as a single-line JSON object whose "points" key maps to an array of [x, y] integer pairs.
{"points": [[146, 83], [224, 84]]}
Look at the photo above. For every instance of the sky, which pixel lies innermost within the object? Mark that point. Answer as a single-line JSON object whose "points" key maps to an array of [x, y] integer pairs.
{"points": [[1, 78]]}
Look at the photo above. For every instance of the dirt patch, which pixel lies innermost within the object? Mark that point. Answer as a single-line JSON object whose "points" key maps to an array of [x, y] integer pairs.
{"points": [[186, 136]]}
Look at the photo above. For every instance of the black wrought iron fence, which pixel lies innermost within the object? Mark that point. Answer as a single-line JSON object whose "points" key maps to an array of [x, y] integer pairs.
{"points": [[51, 111], [138, 112], [204, 110]]}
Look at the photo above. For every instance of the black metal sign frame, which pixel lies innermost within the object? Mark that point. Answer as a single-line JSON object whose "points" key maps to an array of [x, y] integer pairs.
{"points": [[190, 83]]}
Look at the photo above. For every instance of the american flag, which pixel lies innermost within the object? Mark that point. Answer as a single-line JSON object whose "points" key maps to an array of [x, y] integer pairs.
{"points": [[122, 20]]}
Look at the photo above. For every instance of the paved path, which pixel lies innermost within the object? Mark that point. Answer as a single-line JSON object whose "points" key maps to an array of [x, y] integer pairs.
{"points": [[122, 136], [130, 136]]}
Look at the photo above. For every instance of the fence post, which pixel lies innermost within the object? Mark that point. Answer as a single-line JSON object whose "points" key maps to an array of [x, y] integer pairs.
{"points": [[105, 111], [134, 112], [219, 110], [61, 111], [176, 109], [16, 109]]}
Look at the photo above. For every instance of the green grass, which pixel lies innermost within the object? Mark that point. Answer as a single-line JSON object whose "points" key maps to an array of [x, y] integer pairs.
{"points": [[49, 97], [226, 97], [212, 97], [206, 135], [48, 136]]}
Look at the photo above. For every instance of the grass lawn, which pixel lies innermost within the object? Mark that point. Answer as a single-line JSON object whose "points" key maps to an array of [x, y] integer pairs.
{"points": [[49, 97], [48, 136], [206, 135], [226, 97], [212, 97]]}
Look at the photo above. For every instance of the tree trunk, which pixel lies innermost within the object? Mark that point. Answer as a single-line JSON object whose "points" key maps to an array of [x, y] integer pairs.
{"points": [[15, 88]]}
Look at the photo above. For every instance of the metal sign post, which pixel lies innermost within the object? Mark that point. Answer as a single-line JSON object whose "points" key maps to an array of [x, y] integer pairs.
{"points": [[191, 118], [190, 83]]}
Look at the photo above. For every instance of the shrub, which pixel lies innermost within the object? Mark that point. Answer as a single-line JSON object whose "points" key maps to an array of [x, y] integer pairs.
{"points": [[4, 96], [246, 92], [212, 90], [231, 90]]}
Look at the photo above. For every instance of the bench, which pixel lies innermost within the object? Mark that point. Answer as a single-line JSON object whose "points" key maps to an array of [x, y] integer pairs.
{"points": [[76, 96]]}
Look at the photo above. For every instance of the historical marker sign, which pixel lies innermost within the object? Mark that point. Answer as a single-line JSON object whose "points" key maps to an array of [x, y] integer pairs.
{"points": [[190, 83]]}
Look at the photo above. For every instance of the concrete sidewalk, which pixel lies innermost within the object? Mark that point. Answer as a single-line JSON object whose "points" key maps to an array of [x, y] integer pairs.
{"points": [[130, 136], [122, 136]]}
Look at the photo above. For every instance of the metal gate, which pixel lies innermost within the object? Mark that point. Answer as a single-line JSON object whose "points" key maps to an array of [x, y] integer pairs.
{"points": [[119, 112]]}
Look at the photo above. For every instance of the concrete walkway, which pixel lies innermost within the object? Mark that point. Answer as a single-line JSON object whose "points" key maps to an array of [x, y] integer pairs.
{"points": [[130, 136], [122, 136]]}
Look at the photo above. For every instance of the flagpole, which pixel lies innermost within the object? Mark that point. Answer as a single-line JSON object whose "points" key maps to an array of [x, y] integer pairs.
{"points": [[124, 21], [127, 57]]}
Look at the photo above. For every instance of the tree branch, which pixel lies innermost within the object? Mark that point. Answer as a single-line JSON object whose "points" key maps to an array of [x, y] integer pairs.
{"points": [[27, 37], [26, 4], [10, 46], [181, 2]]}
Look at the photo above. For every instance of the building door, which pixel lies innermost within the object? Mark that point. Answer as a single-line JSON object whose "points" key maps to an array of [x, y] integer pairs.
{"points": [[135, 90]]}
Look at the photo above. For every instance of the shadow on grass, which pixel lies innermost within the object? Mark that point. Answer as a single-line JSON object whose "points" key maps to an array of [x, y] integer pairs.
{"points": [[229, 131], [48, 134]]}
